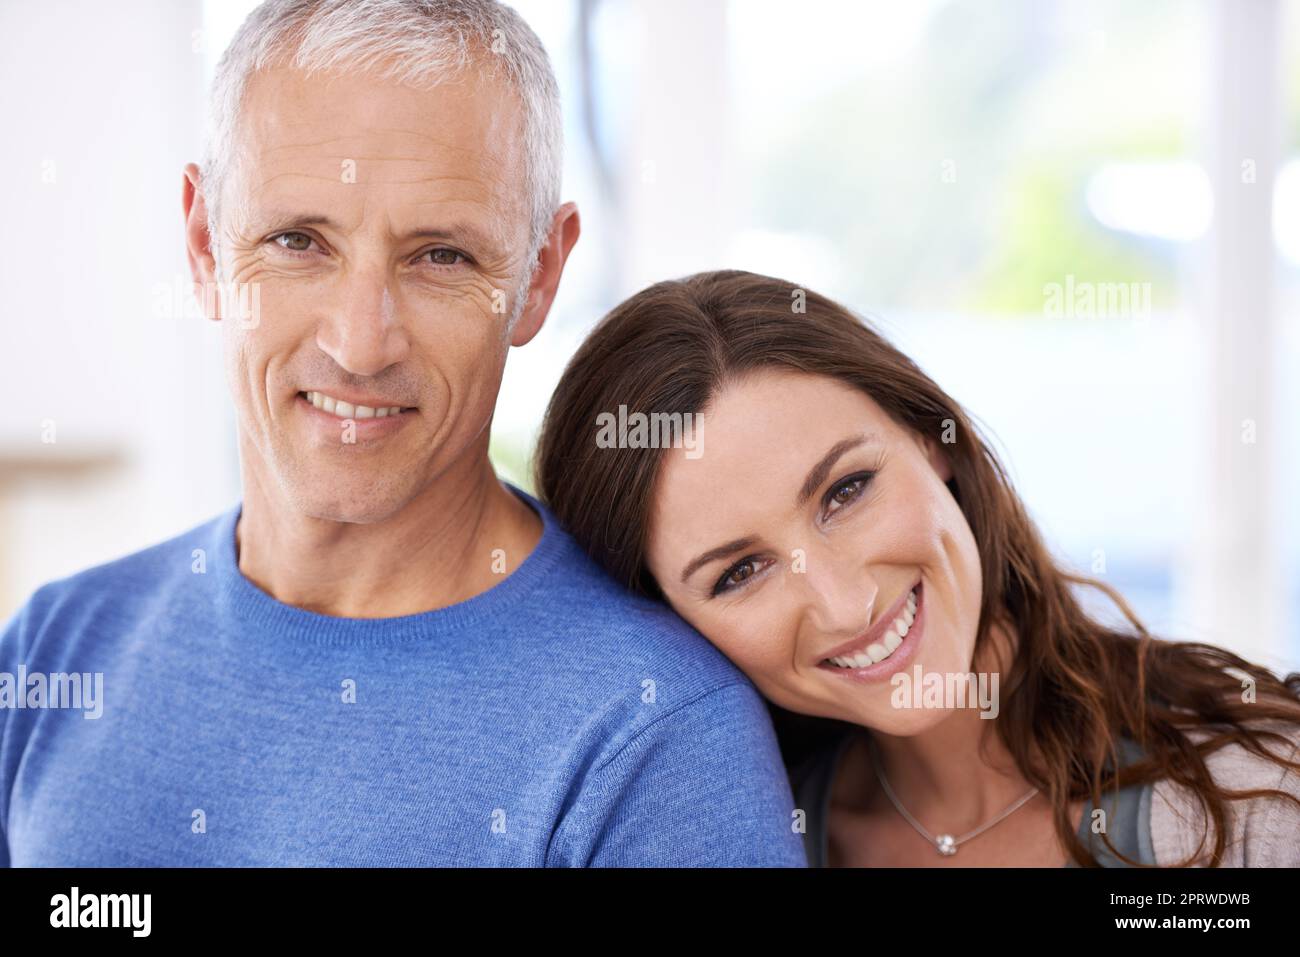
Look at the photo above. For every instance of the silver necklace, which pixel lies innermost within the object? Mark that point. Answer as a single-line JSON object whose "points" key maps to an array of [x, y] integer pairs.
{"points": [[945, 844]]}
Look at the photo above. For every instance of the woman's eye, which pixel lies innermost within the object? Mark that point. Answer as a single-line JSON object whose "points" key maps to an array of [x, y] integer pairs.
{"points": [[846, 491], [732, 577], [294, 242]]}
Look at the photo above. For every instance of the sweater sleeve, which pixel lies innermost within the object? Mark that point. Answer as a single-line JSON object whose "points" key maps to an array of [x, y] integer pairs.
{"points": [[10, 638], [700, 786], [1275, 840]]}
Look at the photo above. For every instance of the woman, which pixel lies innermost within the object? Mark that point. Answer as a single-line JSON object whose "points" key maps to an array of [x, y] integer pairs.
{"points": [[831, 520]]}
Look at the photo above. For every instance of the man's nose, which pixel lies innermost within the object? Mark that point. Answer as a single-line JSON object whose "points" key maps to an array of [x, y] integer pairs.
{"points": [[363, 332]]}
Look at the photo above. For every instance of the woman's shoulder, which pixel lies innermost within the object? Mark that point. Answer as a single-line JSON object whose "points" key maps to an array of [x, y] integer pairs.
{"points": [[1262, 831]]}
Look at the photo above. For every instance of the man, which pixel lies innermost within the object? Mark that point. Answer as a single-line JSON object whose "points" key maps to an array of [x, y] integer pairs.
{"points": [[382, 655]]}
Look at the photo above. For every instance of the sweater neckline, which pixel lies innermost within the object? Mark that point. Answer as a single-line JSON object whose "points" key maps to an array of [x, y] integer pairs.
{"points": [[265, 614]]}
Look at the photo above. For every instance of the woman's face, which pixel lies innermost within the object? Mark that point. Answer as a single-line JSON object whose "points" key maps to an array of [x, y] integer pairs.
{"points": [[801, 530]]}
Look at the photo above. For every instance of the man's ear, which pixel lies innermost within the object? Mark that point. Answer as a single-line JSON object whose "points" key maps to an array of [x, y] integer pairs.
{"points": [[198, 244], [551, 258]]}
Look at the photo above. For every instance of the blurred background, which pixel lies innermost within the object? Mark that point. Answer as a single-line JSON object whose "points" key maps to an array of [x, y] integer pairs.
{"points": [[1081, 218]]}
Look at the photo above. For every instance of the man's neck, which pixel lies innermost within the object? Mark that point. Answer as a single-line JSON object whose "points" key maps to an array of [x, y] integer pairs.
{"points": [[438, 550]]}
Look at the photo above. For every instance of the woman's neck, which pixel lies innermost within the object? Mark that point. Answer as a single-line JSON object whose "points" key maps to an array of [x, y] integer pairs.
{"points": [[951, 777]]}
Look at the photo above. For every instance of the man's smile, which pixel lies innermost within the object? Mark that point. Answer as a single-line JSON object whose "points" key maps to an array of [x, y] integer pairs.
{"points": [[354, 420], [363, 408]]}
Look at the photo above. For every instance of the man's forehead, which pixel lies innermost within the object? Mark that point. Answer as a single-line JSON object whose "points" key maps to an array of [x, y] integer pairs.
{"points": [[470, 125], [451, 153]]}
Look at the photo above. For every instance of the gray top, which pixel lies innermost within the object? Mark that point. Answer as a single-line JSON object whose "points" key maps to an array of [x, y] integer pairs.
{"points": [[1128, 813]]}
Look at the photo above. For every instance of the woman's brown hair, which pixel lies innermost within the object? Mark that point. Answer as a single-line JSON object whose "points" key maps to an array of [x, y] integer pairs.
{"points": [[1075, 685]]}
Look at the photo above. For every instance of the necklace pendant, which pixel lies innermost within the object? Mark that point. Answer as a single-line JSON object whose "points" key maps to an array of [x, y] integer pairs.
{"points": [[946, 844]]}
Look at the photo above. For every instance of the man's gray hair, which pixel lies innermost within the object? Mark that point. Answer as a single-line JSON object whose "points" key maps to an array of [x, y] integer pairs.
{"points": [[417, 42]]}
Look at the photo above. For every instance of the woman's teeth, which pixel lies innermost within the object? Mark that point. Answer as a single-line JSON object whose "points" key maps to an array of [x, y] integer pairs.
{"points": [[346, 410], [879, 651]]}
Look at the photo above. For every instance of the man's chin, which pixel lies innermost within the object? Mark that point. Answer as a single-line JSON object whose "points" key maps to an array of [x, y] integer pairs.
{"points": [[360, 503]]}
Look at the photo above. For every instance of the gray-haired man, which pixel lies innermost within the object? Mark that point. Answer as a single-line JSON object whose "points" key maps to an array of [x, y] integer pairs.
{"points": [[382, 655]]}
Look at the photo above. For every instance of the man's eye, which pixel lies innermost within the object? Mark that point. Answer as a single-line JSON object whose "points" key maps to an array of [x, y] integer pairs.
{"points": [[732, 577], [846, 491], [294, 242], [445, 257]]}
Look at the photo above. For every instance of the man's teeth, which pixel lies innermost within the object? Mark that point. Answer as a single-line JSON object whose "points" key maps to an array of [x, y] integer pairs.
{"points": [[346, 410], [879, 651]]}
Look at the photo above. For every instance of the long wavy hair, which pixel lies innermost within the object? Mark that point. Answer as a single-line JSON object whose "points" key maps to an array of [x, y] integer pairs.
{"points": [[1075, 684]]}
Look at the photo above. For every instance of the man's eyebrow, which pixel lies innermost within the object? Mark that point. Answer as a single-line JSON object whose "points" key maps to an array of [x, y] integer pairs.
{"points": [[814, 480], [285, 219], [823, 468], [465, 233]]}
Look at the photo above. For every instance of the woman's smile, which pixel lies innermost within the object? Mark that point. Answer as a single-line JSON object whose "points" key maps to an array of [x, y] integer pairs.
{"points": [[887, 648]]}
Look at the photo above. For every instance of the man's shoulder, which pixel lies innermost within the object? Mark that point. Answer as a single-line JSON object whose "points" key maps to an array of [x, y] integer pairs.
{"points": [[611, 638], [618, 622]]}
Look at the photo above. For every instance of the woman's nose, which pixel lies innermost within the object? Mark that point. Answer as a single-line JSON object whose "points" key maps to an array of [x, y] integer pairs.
{"points": [[839, 595]]}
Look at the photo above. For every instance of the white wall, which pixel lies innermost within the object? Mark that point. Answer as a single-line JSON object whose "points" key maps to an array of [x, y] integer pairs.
{"points": [[101, 107]]}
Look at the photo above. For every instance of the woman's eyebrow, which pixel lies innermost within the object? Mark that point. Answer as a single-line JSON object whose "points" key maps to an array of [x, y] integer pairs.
{"points": [[814, 480], [722, 551], [823, 468]]}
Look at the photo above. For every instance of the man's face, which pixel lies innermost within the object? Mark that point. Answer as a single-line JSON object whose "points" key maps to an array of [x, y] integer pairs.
{"points": [[384, 235]]}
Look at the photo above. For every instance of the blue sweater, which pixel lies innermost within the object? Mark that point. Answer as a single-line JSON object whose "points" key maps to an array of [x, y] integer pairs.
{"points": [[553, 720]]}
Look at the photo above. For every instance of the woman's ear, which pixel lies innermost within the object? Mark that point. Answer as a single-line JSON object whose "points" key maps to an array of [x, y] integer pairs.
{"points": [[938, 459]]}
